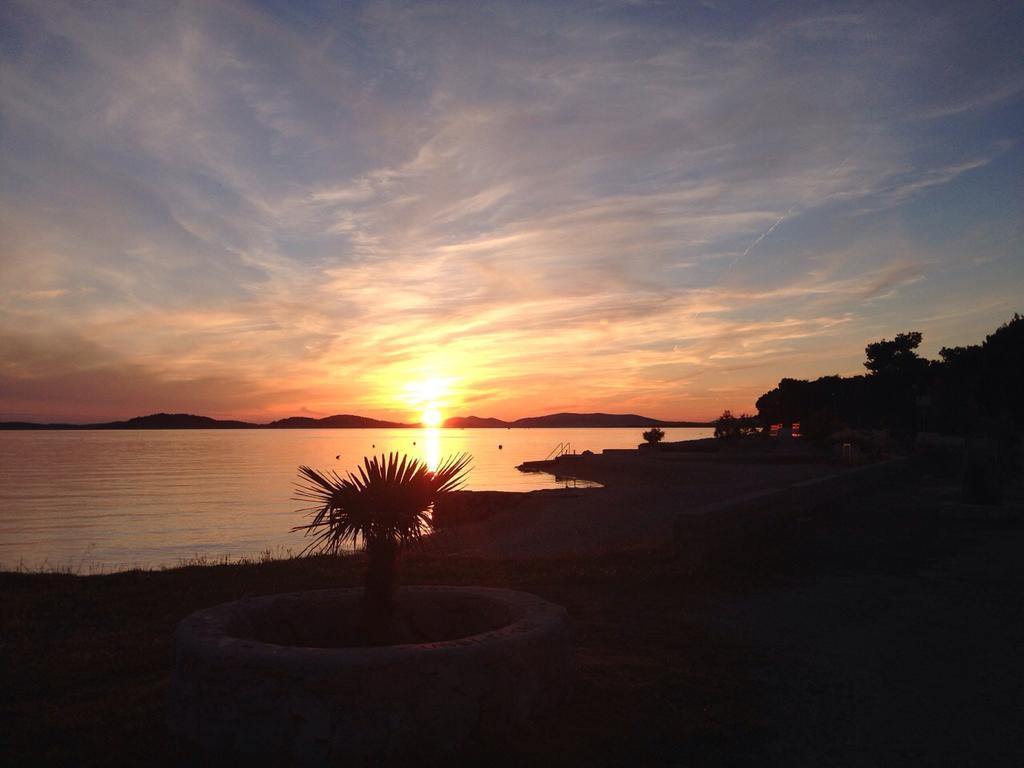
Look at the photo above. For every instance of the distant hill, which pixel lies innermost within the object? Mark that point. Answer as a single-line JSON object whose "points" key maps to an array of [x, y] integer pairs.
{"points": [[153, 421], [607, 420], [175, 421], [348, 421], [340, 421], [568, 421], [475, 422]]}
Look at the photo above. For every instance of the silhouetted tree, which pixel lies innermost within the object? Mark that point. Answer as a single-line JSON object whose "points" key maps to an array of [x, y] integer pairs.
{"points": [[819, 425], [769, 407], [729, 426], [1003, 368], [896, 356], [955, 388], [843, 399], [654, 435], [898, 378]]}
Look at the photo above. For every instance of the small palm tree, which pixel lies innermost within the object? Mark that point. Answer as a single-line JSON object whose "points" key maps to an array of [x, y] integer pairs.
{"points": [[385, 508]]}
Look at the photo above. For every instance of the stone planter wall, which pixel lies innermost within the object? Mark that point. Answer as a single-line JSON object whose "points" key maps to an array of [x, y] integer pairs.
{"points": [[234, 695]]}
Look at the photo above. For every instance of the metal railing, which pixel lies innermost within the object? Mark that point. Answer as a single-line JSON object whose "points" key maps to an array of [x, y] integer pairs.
{"points": [[559, 450]]}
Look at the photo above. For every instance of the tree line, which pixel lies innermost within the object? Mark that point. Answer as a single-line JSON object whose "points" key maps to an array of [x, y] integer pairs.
{"points": [[977, 390]]}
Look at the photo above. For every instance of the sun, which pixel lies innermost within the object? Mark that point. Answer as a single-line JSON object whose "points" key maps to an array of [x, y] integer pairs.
{"points": [[429, 397], [432, 417]]}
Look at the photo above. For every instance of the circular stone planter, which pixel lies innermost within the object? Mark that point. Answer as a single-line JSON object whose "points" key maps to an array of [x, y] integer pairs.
{"points": [[274, 678]]}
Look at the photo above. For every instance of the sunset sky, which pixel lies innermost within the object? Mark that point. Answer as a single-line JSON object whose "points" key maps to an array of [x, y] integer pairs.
{"points": [[504, 209]]}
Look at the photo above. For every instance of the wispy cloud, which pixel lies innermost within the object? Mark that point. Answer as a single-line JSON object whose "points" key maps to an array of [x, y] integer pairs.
{"points": [[229, 209]]}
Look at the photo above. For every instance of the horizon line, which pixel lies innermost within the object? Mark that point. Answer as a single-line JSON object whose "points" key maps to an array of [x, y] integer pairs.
{"points": [[6, 420]]}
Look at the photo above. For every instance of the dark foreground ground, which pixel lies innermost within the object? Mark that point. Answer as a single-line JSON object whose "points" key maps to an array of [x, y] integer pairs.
{"points": [[886, 632]]}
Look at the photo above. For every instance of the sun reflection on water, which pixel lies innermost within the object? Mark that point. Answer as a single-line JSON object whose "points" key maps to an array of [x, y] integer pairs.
{"points": [[432, 447]]}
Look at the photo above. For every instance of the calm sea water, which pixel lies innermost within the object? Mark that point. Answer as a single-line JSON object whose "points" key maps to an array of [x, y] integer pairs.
{"points": [[97, 501]]}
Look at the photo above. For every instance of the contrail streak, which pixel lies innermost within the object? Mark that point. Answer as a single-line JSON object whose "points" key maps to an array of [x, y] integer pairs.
{"points": [[778, 221], [767, 232], [787, 214]]}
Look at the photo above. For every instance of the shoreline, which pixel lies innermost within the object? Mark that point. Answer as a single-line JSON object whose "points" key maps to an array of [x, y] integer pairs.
{"points": [[641, 491]]}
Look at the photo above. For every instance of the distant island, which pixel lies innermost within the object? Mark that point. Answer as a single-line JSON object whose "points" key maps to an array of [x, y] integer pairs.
{"points": [[348, 421], [569, 420]]}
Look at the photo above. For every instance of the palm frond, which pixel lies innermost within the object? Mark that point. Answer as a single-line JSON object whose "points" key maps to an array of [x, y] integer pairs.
{"points": [[390, 499]]}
